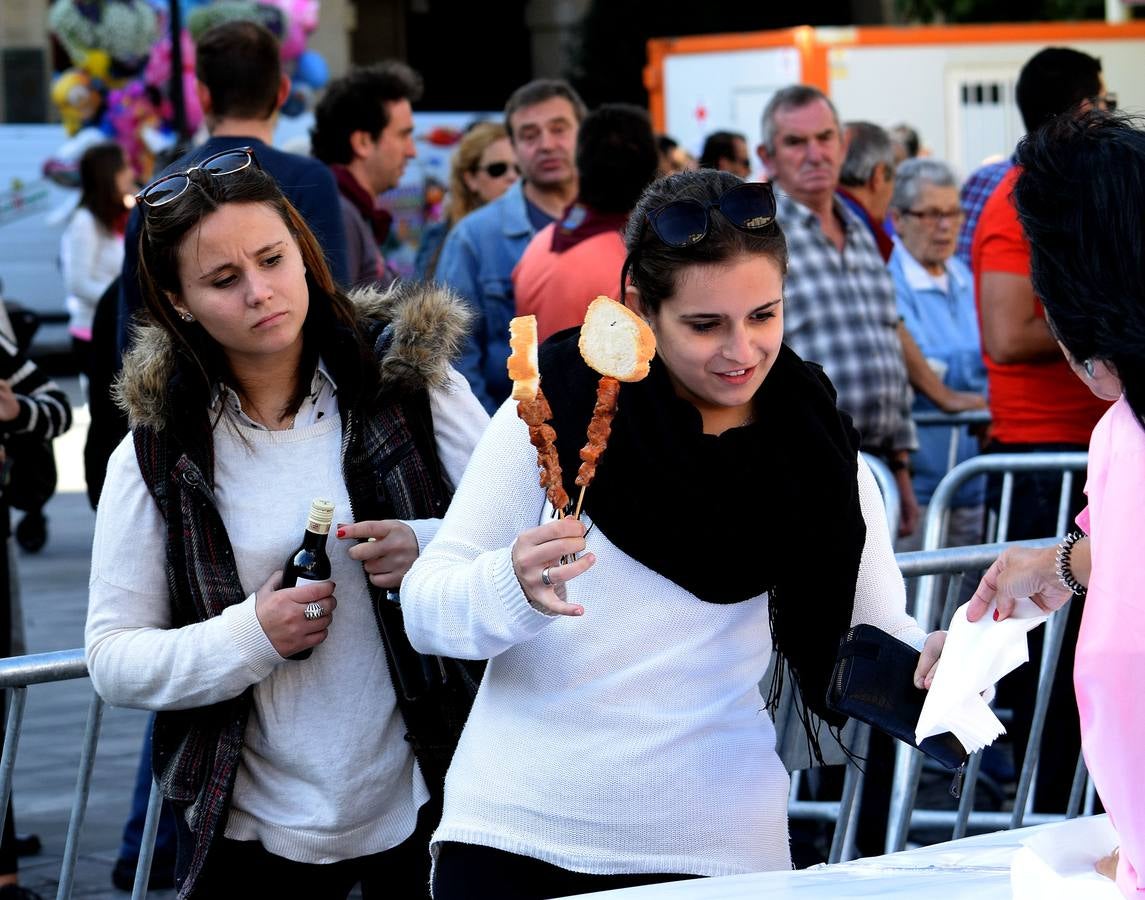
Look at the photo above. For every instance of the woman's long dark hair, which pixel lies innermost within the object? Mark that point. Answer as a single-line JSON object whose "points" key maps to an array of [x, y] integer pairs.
{"points": [[100, 165], [330, 319], [1080, 198], [655, 268]]}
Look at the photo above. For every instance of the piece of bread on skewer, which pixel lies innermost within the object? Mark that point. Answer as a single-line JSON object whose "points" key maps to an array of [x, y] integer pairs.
{"points": [[522, 363], [615, 341]]}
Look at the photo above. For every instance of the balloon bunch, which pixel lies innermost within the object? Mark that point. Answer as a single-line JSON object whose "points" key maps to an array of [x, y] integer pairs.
{"points": [[118, 82]]}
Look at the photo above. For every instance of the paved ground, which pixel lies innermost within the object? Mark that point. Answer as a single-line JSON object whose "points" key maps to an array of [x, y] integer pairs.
{"points": [[54, 587]]}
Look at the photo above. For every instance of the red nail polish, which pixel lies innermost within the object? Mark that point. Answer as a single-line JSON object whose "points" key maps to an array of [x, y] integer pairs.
{"points": [[341, 532], [995, 615]]}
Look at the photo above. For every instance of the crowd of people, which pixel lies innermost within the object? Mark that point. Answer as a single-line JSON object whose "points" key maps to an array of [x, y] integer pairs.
{"points": [[504, 701]]}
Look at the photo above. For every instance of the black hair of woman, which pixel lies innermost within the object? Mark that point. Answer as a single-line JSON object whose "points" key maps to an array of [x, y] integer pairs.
{"points": [[654, 268], [1079, 199], [329, 315]]}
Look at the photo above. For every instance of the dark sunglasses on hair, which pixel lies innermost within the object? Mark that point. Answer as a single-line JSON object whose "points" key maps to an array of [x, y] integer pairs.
{"points": [[498, 169], [749, 207], [171, 187]]}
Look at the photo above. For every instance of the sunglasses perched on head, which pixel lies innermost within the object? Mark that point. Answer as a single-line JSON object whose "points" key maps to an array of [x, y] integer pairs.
{"points": [[171, 187], [750, 207], [681, 223], [499, 169]]}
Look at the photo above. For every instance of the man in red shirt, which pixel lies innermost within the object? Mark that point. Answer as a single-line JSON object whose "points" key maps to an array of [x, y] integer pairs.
{"points": [[1036, 402], [579, 257]]}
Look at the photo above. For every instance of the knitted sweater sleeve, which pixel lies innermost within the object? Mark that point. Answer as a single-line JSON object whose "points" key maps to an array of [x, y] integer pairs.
{"points": [[880, 595], [462, 598], [133, 654]]}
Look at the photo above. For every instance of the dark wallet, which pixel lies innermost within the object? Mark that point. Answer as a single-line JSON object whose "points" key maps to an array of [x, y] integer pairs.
{"points": [[873, 682]]}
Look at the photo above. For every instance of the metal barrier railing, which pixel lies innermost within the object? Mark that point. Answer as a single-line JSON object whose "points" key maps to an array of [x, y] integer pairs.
{"points": [[955, 422], [908, 762], [16, 674]]}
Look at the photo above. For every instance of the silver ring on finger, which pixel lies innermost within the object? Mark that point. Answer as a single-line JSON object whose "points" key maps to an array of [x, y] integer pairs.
{"points": [[314, 611], [545, 579]]}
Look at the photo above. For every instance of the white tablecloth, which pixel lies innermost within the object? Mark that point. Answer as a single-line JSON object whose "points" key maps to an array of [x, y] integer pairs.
{"points": [[976, 867]]}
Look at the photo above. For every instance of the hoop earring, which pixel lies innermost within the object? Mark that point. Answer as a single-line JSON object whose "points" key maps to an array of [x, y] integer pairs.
{"points": [[1089, 368]]}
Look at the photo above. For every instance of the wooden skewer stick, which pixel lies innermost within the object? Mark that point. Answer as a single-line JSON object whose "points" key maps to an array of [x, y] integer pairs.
{"points": [[580, 501]]}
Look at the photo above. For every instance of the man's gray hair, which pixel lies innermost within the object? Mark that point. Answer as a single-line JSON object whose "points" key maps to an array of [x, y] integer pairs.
{"points": [[913, 175], [795, 96], [868, 147]]}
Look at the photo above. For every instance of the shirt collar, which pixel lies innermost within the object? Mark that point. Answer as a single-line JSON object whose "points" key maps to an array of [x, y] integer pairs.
{"points": [[322, 390], [917, 278]]}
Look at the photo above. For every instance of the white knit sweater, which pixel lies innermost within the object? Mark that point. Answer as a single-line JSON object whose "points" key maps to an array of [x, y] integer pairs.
{"points": [[325, 772], [634, 738]]}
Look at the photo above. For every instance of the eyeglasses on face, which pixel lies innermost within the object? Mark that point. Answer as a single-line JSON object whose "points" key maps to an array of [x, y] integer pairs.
{"points": [[498, 169], [681, 223], [172, 186], [932, 217]]}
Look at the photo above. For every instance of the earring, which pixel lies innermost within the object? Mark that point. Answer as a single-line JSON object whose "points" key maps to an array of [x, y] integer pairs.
{"points": [[186, 316], [1089, 368]]}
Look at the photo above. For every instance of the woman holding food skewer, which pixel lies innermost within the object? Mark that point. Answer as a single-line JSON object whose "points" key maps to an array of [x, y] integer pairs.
{"points": [[619, 736]]}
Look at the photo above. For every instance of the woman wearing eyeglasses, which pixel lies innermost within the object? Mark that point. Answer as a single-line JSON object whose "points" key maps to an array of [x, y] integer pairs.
{"points": [[619, 736], [482, 168], [935, 295], [254, 387]]}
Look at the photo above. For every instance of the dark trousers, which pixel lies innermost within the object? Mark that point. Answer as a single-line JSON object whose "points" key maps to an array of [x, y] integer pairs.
{"points": [[1033, 514], [473, 872], [245, 869]]}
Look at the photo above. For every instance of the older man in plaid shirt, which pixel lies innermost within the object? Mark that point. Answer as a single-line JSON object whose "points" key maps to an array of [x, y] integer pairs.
{"points": [[839, 300]]}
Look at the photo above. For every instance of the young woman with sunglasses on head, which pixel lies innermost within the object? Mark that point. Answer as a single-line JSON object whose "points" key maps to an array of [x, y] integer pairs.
{"points": [[619, 736], [254, 387]]}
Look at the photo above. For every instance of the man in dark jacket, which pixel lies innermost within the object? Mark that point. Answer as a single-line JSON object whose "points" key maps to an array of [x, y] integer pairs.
{"points": [[363, 130]]}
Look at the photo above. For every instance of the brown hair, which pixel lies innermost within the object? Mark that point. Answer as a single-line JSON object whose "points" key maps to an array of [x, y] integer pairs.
{"points": [[654, 268], [164, 229], [538, 91], [99, 166], [240, 65]]}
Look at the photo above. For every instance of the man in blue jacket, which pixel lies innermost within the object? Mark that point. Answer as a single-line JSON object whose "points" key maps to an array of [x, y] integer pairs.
{"points": [[482, 249], [240, 86]]}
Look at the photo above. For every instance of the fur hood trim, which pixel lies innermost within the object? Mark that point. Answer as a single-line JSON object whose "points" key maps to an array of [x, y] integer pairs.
{"points": [[428, 323]]}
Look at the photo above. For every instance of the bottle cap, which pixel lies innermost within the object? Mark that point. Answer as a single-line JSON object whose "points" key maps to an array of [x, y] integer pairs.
{"points": [[321, 512]]}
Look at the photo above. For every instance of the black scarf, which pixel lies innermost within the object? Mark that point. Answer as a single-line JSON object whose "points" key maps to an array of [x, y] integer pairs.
{"points": [[772, 506]]}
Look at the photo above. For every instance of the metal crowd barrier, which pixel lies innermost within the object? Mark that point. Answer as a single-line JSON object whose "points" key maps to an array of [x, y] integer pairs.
{"points": [[17, 673], [955, 422], [928, 613]]}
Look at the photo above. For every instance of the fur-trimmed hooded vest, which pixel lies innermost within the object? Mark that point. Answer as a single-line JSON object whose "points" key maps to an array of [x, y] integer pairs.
{"points": [[391, 470]]}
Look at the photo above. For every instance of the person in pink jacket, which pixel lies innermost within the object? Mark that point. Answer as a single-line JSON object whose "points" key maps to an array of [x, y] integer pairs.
{"points": [[1079, 198]]}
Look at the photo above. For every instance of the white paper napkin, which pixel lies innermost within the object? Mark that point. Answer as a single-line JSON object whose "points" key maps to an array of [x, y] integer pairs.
{"points": [[975, 657]]}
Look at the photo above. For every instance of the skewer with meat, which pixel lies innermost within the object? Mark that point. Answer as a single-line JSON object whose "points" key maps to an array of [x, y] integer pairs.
{"points": [[618, 344], [535, 413], [533, 408], [599, 428]]}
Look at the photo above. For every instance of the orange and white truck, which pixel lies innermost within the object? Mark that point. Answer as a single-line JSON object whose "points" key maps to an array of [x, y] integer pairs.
{"points": [[953, 84]]}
